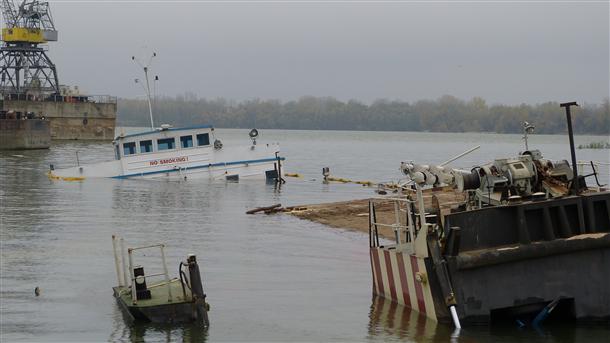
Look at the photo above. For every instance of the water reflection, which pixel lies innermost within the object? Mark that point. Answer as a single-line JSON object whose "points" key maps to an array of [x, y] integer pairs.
{"points": [[156, 332], [125, 330], [393, 322], [389, 321]]}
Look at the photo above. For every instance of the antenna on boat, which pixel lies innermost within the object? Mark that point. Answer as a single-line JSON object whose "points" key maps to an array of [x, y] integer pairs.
{"points": [[147, 87], [527, 129]]}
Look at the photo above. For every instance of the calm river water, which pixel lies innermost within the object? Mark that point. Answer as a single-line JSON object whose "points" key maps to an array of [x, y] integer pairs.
{"points": [[268, 278]]}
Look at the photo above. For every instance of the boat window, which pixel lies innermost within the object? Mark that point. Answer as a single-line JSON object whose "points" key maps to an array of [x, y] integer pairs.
{"points": [[129, 148], [203, 139], [186, 141], [146, 146], [166, 143]]}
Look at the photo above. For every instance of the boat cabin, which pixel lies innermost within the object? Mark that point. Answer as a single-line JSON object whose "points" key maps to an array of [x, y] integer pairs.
{"points": [[177, 152], [165, 139]]}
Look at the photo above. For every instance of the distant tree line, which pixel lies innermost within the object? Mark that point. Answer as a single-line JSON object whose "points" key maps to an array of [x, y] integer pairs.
{"points": [[446, 114]]}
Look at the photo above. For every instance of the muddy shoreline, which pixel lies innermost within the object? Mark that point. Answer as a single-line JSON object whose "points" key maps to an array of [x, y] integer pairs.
{"points": [[353, 214]]}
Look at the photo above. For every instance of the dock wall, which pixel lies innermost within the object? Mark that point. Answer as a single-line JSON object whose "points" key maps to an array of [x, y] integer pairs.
{"points": [[24, 134], [72, 120]]}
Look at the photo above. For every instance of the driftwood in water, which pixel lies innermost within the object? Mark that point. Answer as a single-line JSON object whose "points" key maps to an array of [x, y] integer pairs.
{"points": [[266, 208], [285, 209], [276, 209]]}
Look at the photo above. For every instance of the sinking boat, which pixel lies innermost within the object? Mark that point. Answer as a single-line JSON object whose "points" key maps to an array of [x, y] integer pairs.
{"points": [[181, 153], [530, 240], [176, 300]]}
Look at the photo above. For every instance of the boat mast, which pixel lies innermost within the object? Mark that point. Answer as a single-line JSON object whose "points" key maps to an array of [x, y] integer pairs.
{"points": [[527, 129], [147, 88]]}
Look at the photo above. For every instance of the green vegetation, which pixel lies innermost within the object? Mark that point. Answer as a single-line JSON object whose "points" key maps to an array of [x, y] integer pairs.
{"points": [[595, 145], [446, 114]]}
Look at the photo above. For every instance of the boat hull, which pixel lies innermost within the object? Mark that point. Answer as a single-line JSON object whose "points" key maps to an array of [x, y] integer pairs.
{"points": [[577, 273], [177, 312], [240, 163], [509, 262]]}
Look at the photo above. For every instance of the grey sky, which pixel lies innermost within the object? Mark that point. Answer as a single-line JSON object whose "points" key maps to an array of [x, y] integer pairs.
{"points": [[504, 52]]}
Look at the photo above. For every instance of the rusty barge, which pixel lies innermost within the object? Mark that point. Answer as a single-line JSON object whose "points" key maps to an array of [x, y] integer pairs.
{"points": [[71, 115], [531, 240], [21, 132]]}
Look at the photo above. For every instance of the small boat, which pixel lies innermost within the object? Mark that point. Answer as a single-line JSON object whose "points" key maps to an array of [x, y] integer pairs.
{"points": [[181, 153], [177, 300]]}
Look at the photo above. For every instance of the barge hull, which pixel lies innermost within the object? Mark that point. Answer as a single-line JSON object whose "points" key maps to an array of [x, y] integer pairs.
{"points": [[17, 134], [504, 262], [579, 277], [85, 120], [160, 313]]}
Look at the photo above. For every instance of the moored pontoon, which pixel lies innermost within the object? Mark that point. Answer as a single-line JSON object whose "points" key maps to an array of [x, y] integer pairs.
{"points": [[144, 298]]}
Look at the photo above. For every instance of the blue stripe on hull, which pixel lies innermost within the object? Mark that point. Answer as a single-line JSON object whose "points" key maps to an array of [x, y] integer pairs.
{"points": [[198, 167]]}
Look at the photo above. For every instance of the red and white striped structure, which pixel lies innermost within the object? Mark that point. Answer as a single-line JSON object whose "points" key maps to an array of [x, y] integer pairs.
{"points": [[400, 272], [402, 277]]}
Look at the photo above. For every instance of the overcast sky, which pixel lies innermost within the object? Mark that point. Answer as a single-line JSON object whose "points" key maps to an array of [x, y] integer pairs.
{"points": [[504, 52]]}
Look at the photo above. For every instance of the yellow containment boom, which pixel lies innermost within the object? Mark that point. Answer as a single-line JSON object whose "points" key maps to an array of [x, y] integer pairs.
{"points": [[64, 178]]}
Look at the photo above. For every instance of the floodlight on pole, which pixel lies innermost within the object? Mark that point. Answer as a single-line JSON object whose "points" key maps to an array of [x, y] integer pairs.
{"points": [[155, 91]]}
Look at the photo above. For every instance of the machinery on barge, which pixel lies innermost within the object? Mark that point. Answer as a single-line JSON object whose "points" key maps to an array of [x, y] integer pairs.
{"points": [[529, 238]]}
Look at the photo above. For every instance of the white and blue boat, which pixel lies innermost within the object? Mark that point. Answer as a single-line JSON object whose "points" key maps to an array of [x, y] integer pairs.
{"points": [[182, 153]]}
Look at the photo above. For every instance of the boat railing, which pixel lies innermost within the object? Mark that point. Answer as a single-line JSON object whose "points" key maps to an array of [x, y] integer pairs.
{"points": [[594, 167], [71, 98], [409, 218], [125, 271], [403, 226]]}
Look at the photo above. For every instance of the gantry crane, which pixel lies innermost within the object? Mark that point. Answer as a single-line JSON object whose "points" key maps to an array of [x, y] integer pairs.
{"points": [[25, 66]]}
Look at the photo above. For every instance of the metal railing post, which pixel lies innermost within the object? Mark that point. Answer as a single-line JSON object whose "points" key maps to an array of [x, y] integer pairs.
{"points": [[119, 275], [421, 208], [410, 221], [167, 281], [397, 228], [134, 296], [124, 262]]}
